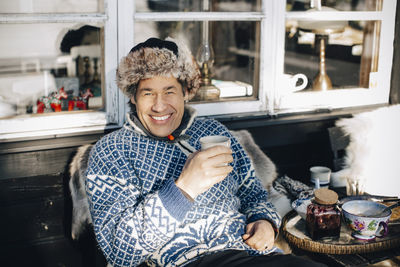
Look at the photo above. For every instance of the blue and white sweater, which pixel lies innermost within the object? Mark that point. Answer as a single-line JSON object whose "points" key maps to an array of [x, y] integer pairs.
{"points": [[140, 215]]}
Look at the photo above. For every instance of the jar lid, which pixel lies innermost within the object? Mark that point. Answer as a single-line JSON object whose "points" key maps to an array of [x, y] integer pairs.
{"points": [[325, 196]]}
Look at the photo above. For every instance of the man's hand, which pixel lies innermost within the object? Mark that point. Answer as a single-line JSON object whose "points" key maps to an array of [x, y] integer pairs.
{"points": [[205, 168], [259, 235]]}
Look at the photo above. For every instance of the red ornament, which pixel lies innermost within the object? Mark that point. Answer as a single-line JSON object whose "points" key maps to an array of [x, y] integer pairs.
{"points": [[40, 107], [62, 94], [71, 105], [87, 94], [171, 137]]}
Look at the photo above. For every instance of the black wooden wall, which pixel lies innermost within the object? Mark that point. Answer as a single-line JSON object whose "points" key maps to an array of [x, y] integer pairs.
{"points": [[35, 204]]}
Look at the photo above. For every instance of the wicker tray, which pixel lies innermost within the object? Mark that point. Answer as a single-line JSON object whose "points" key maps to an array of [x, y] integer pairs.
{"points": [[294, 230]]}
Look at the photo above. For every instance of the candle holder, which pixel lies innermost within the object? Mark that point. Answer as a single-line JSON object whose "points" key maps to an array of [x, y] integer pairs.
{"points": [[205, 59], [322, 30]]}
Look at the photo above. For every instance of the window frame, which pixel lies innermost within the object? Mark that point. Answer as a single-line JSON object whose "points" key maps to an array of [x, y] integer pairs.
{"points": [[66, 123], [119, 18], [272, 18], [379, 90]]}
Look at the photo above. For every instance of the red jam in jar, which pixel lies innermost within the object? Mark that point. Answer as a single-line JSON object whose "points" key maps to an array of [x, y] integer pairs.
{"points": [[323, 215]]}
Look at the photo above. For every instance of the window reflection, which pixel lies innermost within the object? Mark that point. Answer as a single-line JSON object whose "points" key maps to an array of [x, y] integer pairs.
{"points": [[51, 6], [340, 5], [350, 54], [236, 50], [56, 71], [195, 5]]}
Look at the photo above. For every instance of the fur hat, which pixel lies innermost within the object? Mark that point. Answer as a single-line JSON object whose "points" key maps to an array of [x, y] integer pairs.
{"points": [[156, 57]]}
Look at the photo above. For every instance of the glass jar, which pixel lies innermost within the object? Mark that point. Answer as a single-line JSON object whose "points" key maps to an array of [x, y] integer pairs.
{"points": [[323, 215]]}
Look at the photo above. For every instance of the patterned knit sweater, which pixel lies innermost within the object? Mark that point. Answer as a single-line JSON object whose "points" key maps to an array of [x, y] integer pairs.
{"points": [[140, 215]]}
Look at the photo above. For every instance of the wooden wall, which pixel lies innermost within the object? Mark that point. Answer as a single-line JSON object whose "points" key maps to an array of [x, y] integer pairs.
{"points": [[35, 200]]}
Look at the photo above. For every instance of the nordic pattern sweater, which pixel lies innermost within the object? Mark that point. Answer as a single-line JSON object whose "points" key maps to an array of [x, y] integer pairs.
{"points": [[140, 215]]}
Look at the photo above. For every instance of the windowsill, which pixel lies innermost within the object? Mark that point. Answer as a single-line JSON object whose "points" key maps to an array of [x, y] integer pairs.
{"points": [[236, 120], [256, 119], [39, 126]]}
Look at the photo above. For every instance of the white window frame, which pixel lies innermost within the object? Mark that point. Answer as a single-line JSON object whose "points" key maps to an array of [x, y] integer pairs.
{"points": [[119, 18], [35, 126], [223, 107], [272, 17], [379, 89]]}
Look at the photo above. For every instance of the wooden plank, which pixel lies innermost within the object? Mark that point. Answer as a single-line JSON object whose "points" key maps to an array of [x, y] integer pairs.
{"points": [[32, 220], [28, 164], [47, 143], [21, 190], [58, 251]]}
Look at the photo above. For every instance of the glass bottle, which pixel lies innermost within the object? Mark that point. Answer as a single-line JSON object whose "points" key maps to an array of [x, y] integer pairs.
{"points": [[323, 215]]}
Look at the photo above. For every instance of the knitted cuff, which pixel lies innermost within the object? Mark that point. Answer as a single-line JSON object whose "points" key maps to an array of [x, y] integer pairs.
{"points": [[174, 201]]}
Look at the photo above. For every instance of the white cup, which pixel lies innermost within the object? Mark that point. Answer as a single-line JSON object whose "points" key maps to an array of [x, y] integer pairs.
{"points": [[320, 176], [290, 82], [214, 140]]}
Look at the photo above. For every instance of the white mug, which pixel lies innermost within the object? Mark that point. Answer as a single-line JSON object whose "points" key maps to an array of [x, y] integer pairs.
{"points": [[320, 176], [290, 82], [214, 140]]}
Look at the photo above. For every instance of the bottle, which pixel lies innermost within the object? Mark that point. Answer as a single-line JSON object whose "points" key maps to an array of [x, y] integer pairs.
{"points": [[323, 215]]}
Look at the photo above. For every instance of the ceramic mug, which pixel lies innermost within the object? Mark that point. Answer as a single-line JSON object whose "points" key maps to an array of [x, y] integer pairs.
{"points": [[290, 82], [214, 140], [361, 216], [320, 176]]}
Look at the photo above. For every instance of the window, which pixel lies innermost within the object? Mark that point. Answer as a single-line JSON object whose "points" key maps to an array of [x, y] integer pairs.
{"points": [[55, 61], [343, 48], [276, 49], [265, 56], [231, 29]]}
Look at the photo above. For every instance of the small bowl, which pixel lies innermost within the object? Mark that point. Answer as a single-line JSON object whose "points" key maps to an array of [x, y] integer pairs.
{"points": [[300, 206], [361, 217]]}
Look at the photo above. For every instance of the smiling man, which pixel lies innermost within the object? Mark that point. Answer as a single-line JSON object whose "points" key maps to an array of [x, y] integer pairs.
{"points": [[155, 197], [159, 104]]}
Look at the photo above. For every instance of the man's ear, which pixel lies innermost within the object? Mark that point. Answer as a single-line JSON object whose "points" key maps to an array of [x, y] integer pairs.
{"points": [[133, 100]]}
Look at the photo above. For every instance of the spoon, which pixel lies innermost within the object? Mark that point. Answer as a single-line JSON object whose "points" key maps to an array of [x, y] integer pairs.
{"points": [[387, 209]]}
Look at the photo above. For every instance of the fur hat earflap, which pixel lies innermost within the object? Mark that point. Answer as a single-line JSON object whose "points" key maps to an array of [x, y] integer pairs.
{"points": [[156, 57]]}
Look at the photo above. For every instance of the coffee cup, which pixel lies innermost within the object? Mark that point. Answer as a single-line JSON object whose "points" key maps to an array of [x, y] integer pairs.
{"points": [[366, 218], [294, 83], [214, 140], [320, 176], [289, 84]]}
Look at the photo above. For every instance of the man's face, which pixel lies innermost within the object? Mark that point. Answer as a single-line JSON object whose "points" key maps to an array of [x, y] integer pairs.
{"points": [[160, 104]]}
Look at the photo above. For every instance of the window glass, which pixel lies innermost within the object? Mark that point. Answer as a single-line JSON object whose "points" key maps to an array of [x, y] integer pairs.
{"points": [[59, 72], [195, 6], [332, 54], [340, 5], [234, 66], [51, 6]]}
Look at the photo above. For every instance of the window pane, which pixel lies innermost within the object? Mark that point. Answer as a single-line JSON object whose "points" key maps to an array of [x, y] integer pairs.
{"points": [[341, 5], [345, 58], [59, 70], [235, 68], [51, 6], [194, 5]]}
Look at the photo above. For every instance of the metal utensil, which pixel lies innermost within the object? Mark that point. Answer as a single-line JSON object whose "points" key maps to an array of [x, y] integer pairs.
{"points": [[387, 209]]}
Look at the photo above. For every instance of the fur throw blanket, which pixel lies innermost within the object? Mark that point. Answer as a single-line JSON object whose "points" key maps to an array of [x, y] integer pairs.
{"points": [[80, 206], [372, 154], [264, 167], [265, 170]]}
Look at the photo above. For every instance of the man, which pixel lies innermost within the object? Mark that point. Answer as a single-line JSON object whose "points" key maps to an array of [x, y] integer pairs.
{"points": [[155, 196]]}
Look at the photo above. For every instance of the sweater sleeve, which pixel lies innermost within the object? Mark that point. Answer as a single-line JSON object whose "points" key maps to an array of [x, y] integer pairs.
{"points": [[129, 225]]}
